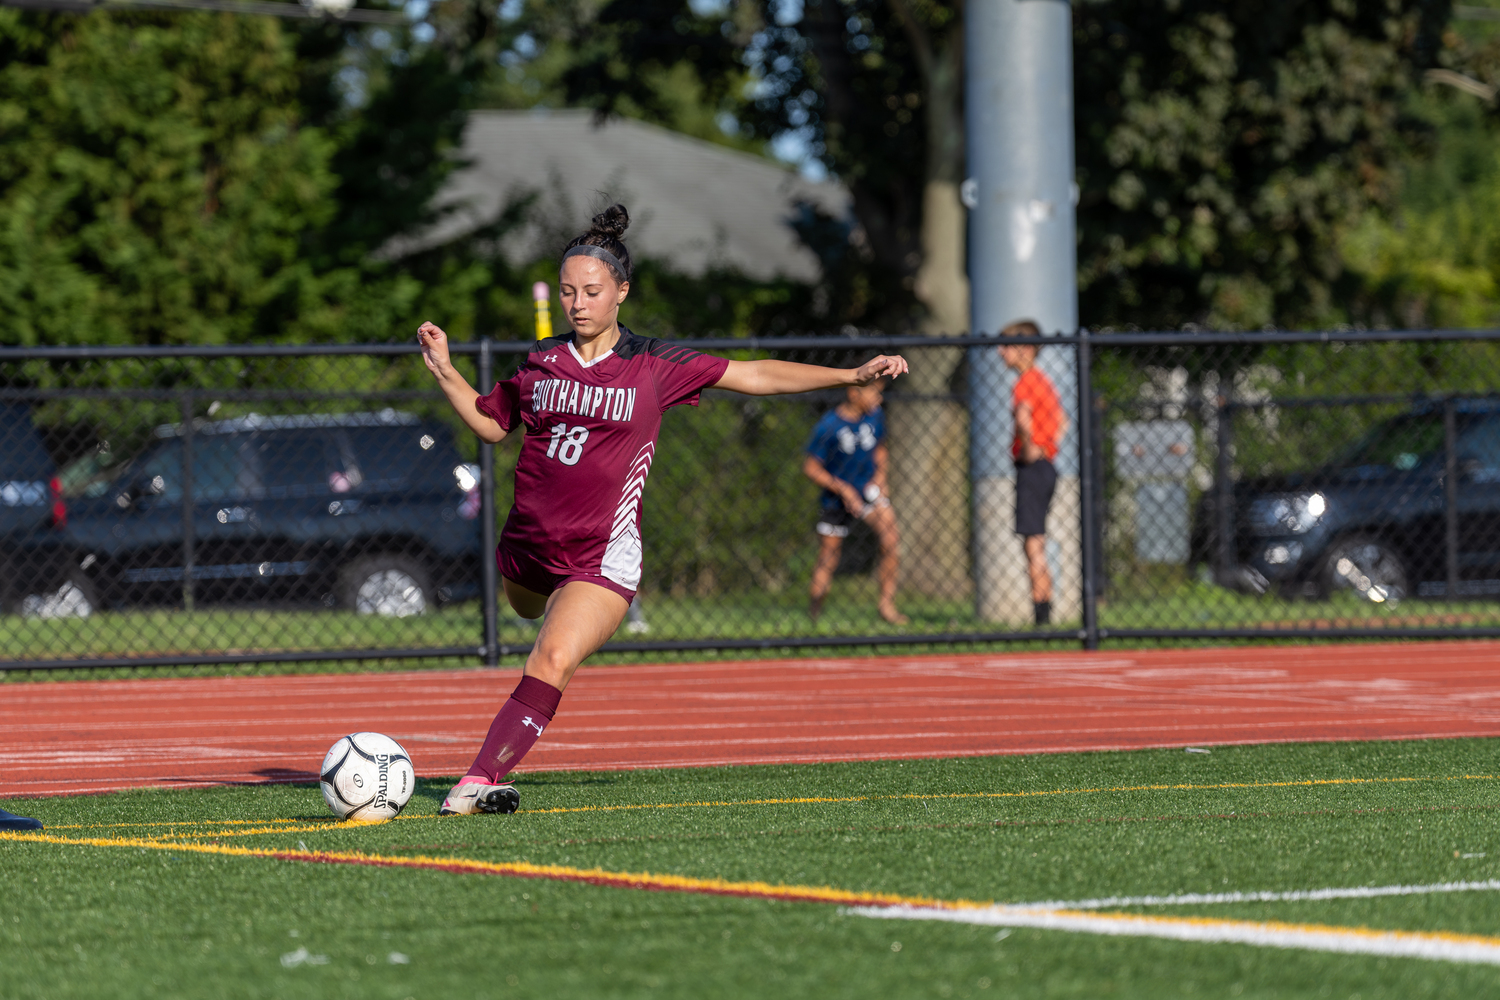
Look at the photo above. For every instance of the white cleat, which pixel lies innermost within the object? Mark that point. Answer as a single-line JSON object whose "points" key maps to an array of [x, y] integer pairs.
{"points": [[472, 795]]}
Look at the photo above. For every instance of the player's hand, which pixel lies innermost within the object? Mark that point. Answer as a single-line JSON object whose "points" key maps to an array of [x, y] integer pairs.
{"points": [[434, 348], [853, 502], [884, 366]]}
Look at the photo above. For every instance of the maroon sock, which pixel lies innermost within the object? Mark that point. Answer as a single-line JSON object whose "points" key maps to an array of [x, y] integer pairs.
{"points": [[516, 728]]}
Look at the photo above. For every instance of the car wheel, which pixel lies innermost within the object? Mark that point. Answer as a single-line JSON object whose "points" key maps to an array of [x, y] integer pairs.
{"points": [[76, 598], [1367, 566], [389, 586]]}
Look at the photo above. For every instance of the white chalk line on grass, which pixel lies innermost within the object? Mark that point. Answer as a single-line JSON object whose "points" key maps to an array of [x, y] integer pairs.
{"points": [[1294, 896], [1435, 945], [1074, 916]]}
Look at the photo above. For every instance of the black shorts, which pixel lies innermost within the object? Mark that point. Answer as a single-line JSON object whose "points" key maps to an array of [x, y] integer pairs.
{"points": [[1035, 483], [834, 522]]}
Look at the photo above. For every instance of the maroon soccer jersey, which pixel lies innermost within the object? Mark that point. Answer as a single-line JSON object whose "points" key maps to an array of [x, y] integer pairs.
{"points": [[591, 432]]}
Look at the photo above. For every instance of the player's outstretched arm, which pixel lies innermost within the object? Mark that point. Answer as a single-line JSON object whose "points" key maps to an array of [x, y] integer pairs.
{"points": [[818, 473], [770, 378], [460, 394]]}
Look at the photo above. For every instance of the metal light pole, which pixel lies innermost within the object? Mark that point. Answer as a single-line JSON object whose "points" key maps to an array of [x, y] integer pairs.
{"points": [[1022, 265]]}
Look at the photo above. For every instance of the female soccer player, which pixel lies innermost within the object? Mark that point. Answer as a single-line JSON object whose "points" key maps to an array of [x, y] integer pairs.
{"points": [[591, 405]]}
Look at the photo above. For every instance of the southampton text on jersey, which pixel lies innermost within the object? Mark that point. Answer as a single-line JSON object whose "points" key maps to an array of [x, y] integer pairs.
{"points": [[561, 395]]}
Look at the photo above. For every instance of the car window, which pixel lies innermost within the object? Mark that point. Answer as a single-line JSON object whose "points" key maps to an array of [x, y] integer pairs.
{"points": [[1480, 445], [301, 463], [1399, 444], [159, 472], [221, 470], [398, 458]]}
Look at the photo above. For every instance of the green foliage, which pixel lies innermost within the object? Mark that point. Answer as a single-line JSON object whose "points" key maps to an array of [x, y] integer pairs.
{"points": [[1224, 150], [196, 178], [1434, 260], [842, 76], [201, 178], [729, 508], [155, 181]]}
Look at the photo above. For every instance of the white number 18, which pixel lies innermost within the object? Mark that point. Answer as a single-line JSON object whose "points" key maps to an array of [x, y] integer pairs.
{"points": [[572, 443]]}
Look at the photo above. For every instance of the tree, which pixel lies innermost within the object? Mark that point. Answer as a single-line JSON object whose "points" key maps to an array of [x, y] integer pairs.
{"points": [[852, 80], [1224, 151], [217, 178], [1434, 259], [155, 179]]}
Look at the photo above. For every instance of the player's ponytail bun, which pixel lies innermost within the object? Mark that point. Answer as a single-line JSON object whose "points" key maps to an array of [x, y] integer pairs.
{"points": [[611, 223], [605, 233]]}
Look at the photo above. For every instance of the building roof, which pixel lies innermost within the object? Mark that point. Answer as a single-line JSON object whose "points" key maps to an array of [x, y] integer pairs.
{"points": [[693, 204]]}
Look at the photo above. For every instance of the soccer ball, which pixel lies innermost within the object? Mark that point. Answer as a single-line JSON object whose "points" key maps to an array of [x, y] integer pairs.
{"points": [[367, 776]]}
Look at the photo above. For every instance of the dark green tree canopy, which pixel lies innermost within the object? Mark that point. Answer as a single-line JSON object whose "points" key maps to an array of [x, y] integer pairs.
{"points": [[215, 178], [1224, 149], [842, 76], [179, 176], [155, 177]]}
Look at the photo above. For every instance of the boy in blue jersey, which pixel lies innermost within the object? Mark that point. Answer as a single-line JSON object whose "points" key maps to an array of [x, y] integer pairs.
{"points": [[847, 457]]}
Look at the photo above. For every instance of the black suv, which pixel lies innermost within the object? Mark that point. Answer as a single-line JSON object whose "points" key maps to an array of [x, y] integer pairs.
{"points": [[374, 512], [1374, 520]]}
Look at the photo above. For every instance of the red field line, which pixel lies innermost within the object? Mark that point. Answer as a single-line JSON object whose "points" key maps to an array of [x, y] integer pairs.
{"points": [[87, 736]]}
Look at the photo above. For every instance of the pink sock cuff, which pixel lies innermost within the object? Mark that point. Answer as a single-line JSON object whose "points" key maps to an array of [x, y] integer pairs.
{"points": [[537, 695]]}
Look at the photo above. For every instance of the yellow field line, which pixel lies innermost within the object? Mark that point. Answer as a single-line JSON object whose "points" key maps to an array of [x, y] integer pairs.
{"points": [[523, 869], [835, 800], [178, 836], [1438, 945], [937, 796]]}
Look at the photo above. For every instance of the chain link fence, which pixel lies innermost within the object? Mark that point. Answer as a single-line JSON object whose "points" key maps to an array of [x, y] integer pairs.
{"points": [[1328, 484], [296, 504]]}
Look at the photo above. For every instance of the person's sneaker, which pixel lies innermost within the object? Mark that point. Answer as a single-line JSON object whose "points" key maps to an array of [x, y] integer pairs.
{"points": [[474, 794], [10, 821]]}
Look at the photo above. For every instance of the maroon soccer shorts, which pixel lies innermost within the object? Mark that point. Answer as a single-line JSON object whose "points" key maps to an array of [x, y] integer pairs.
{"points": [[539, 579]]}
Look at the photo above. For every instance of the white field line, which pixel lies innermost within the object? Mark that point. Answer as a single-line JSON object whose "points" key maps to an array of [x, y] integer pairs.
{"points": [[1295, 896], [1438, 945]]}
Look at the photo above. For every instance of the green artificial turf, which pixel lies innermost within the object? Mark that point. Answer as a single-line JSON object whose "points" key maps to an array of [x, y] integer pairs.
{"points": [[112, 921]]}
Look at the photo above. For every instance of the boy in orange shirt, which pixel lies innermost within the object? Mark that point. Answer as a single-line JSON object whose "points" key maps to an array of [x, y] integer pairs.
{"points": [[1040, 423]]}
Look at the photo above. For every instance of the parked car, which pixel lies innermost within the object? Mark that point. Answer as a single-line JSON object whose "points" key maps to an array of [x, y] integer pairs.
{"points": [[1374, 520], [375, 512], [29, 488]]}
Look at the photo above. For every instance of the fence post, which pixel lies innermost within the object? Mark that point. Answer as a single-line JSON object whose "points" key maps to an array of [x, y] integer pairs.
{"points": [[1088, 488], [1101, 503], [1224, 490], [189, 554], [487, 519], [1450, 494]]}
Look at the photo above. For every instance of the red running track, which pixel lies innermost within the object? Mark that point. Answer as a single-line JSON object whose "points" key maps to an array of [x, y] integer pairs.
{"points": [[93, 736]]}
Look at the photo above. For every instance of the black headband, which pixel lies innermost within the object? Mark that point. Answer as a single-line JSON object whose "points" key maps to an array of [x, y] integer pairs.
{"points": [[598, 253]]}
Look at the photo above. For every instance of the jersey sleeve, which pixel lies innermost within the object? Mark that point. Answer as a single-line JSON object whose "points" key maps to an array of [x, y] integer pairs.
{"points": [[878, 418], [503, 404], [682, 373], [820, 445]]}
